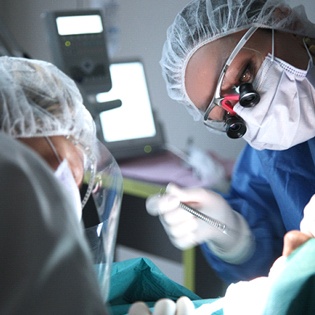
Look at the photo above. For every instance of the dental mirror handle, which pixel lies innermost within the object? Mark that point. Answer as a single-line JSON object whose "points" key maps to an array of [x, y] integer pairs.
{"points": [[213, 222]]}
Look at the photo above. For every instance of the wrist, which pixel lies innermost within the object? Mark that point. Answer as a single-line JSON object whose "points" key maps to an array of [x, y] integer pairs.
{"points": [[236, 244]]}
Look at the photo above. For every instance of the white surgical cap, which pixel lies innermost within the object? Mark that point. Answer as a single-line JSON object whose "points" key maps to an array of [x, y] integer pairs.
{"points": [[203, 21], [37, 99]]}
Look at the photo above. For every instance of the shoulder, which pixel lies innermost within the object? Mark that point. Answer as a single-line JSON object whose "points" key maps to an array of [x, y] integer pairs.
{"points": [[303, 150]]}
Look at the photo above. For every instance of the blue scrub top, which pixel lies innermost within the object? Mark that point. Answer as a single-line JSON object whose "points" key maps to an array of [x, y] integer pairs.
{"points": [[270, 189]]}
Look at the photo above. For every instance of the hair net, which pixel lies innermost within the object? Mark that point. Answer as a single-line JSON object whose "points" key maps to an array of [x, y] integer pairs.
{"points": [[37, 99], [203, 21]]}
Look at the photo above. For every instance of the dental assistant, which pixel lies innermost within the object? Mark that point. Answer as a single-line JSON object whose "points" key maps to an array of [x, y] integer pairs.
{"points": [[45, 131], [244, 68]]}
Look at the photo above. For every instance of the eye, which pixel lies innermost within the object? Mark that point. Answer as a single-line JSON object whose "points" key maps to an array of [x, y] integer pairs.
{"points": [[247, 74], [236, 76]]}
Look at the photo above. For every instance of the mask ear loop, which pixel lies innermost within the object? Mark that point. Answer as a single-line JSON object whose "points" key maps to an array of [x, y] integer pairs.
{"points": [[308, 51], [53, 149], [272, 44], [92, 174], [92, 169]]}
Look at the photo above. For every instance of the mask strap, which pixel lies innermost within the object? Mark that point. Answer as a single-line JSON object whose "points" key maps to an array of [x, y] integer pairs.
{"points": [[273, 44], [53, 149], [308, 51]]}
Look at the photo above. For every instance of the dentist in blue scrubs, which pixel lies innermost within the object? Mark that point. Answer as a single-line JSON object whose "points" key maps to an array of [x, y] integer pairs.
{"points": [[244, 69]]}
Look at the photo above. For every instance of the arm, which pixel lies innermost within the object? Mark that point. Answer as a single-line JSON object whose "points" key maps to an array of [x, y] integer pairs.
{"points": [[268, 192], [252, 196]]}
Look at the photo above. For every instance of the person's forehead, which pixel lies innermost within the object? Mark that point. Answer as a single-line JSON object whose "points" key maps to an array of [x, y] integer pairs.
{"points": [[204, 68]]}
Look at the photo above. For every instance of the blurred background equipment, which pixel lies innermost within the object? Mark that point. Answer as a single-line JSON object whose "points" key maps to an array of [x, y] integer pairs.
{"points": [[115, 93], [131, 130], [8, 44], [78, 45]]}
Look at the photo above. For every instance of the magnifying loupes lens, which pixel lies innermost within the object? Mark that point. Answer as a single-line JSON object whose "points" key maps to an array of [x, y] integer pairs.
{"points": [[248, 96], [235, 127]]}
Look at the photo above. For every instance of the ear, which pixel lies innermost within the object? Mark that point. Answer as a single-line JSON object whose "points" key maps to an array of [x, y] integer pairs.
{"points": [[282, 12], [310, 42]]}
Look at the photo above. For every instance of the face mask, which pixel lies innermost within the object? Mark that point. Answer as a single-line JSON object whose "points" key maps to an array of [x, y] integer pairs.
{"points": [[64, 174], [285, 115]]}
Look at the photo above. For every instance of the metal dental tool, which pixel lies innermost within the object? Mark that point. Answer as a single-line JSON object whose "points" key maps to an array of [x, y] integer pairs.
{"points": [[213, 222], [153, 200]]}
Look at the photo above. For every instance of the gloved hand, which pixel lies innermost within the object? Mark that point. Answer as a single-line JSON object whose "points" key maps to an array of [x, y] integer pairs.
{"points": [[307, 224], [186, 230], [183, 306]]}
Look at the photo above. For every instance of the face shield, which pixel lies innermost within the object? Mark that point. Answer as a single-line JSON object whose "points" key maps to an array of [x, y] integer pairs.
{"points": [[101, 195], [219, 114]]}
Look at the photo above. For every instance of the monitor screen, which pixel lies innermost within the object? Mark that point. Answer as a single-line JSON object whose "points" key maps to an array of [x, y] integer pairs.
{"points": [[80, 24], [134, 119], [132, 126]]}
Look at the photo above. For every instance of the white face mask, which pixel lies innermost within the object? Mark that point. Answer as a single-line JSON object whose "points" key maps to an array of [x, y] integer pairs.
{"points": [[285, 115], [64, 174]]}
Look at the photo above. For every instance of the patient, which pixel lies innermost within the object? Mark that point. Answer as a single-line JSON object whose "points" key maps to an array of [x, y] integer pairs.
{"points": [[289, 288], [275, 294]]}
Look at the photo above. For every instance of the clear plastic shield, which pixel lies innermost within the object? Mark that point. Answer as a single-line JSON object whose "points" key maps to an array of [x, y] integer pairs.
{"points": [[101, 214]]}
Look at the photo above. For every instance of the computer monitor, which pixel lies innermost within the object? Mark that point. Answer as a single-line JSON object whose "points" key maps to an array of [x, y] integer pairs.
{"points": [[78, 46], [132, 129]]}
